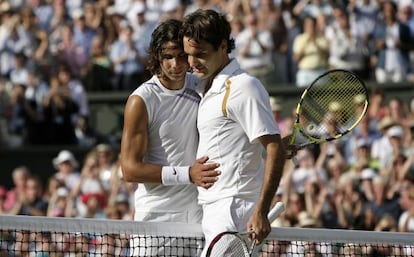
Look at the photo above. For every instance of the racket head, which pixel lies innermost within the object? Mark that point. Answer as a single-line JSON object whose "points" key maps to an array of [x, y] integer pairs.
{"points": [[329, 108], [229, 244]]}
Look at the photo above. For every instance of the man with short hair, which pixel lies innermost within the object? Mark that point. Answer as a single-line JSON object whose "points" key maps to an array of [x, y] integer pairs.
{"points": [[235, 125]]}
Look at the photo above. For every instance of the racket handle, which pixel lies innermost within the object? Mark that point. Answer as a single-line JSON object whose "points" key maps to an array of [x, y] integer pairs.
{"points": [[276, 211]]}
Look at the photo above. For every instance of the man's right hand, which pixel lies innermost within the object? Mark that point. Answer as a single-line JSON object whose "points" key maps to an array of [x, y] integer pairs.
{"points": [[204, 174]]}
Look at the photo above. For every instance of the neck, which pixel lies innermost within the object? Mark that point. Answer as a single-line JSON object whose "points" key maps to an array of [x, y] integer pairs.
{"points": [[171, 85], [210, 80]]}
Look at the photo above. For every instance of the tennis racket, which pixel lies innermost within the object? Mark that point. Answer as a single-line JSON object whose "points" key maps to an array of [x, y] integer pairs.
{"points": [[329, 108], [235, 244]]}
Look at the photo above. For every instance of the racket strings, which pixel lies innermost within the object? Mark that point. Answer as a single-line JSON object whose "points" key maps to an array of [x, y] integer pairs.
{"points": [[330, 106], [229, 245]]}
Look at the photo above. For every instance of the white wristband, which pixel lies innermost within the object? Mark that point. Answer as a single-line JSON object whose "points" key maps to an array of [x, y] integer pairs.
{"points": [[175, 175]]}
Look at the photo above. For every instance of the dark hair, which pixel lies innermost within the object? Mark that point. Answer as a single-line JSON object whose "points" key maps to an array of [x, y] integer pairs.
{"points": [[167, 31], [209, 26]]}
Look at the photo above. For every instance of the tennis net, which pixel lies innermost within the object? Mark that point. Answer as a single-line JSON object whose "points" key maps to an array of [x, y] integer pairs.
{"points": [[46, 236]]}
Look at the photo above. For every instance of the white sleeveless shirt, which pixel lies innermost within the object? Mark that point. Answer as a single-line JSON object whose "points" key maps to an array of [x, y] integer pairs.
{"points": [[172, 141]]}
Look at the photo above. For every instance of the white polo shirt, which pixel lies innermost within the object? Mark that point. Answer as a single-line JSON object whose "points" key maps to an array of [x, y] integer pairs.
{"points": [[232, 140]]}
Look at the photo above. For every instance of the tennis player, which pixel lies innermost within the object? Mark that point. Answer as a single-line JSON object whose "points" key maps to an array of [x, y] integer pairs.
{"points": [[235, 125], [159, 140]]}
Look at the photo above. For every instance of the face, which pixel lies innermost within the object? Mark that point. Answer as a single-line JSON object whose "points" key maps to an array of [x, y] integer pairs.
{"points": [[174, 63], [204, 60]]}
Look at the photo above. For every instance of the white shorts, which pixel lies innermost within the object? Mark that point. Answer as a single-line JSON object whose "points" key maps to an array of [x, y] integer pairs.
{"points": [[228, 214]]}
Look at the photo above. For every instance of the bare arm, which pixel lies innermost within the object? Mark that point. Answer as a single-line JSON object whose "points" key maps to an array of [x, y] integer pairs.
{"points": [[274, 163], [134, 146]]}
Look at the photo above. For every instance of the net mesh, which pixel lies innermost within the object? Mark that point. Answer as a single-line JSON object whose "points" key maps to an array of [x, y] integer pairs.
{"points": [[45, 236]]}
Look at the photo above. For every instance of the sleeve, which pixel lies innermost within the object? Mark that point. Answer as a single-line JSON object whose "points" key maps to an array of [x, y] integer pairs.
{"points": [[249, 106]]}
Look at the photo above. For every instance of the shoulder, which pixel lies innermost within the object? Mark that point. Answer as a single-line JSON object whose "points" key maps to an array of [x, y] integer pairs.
{"points": [[246, 86], [147, 88], [191, 81]]}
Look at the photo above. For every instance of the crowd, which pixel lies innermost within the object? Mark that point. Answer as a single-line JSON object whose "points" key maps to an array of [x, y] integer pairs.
{"points": [[362, 181], [53, 52]]}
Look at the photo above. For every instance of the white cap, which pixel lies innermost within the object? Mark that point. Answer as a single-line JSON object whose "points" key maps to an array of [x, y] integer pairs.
{"points": [[362, 142], [275, 104], [368, 173], [138, 8], [121, 198], [62, 192], [305, 219], [170, 5], [395, 131], [77, 13], [64, 156]]}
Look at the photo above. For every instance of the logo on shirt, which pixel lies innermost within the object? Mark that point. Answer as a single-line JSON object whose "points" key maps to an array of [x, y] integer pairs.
{"points": [[174, 171]]}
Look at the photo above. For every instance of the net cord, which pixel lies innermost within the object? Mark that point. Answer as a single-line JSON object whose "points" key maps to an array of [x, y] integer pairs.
{"points": [[77, 225]]}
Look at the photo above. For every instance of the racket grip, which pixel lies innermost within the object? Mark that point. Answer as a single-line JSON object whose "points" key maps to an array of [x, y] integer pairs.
{"points": [[276, 211]]}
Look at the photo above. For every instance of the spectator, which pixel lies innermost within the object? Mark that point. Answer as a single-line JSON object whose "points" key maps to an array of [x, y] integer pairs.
{"points": [[361, 139], [94, 15], [173, 9], [58, 203], [86, 135], [142, 27], [348, 202], [347, 50], [23, 118], [377, 108], [89, 182], [305, 170], [280, 38], [75, 90], [255, 48], [382, 204], [106, 163], [36, 93], [406, 220], [311, 53], [95, 204], [59, 109], [31, 202], [52, 185], [364, 15], [99, 70], [82, 33], [12, 41], [66, 168], [284, 123], [312, 8], [19, 73], [406, 16], [43, 12], [399, 112], [392, 44], [27, 29], [70, 53], [395, 135], [3, 193], [381, 147], [57, 25], [123, 205], [295, 205], [19, 178], [128, 60]]}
